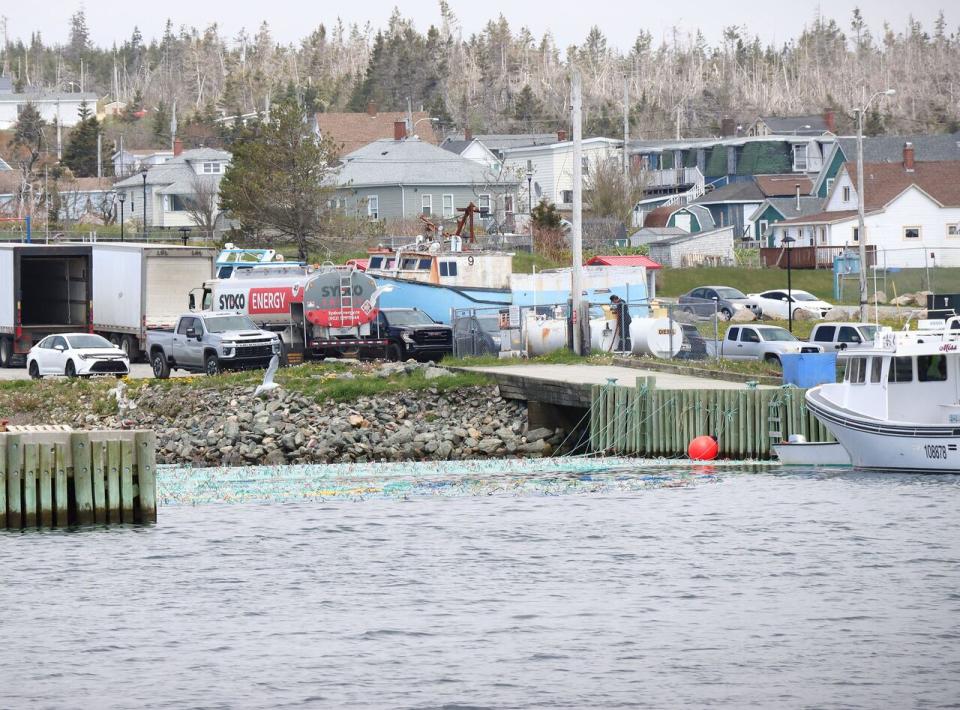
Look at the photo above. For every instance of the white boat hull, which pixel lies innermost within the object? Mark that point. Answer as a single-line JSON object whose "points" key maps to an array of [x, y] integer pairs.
{"points": [[889, 445], [812, 453]]}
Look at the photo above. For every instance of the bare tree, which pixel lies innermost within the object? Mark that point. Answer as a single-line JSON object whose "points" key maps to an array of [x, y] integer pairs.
{"points": [[203, 204]]}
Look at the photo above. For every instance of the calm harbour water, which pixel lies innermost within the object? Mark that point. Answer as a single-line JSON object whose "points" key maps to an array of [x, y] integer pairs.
{"points": [[740, 590]]}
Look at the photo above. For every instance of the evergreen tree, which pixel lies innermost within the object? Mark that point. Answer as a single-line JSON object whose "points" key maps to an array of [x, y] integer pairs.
{"points": [[80, 153], [161, 124], [29, 139]]}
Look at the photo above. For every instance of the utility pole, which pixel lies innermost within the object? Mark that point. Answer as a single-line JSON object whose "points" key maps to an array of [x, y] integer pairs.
{"points": [[861, 231], [409, 119], [678, 121], [626, 128], [576, 233], [99, 154]]}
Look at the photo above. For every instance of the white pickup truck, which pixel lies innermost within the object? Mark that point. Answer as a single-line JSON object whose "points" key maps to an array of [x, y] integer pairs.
{"points": [[843, 336], [758, 342]]}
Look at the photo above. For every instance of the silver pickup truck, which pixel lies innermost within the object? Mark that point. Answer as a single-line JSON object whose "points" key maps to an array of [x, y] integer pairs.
{"points": [[758, 342], [211, 342]]}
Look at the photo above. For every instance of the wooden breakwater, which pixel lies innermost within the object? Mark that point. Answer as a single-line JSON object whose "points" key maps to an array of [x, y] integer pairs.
{"points": [[61, 478], [646, 421]]}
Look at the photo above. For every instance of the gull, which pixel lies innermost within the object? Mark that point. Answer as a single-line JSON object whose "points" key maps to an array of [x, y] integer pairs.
{"points": [[268, 383]]}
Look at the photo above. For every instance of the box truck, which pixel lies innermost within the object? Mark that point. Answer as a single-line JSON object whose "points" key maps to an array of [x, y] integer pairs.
{"points": [[44, 289], [143, 286]]}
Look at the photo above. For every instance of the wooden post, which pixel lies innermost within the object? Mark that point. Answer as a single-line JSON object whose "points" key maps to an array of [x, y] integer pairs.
{"points": [[113, 481], [127, 461], [61, 490], [82, 477], [14, 481], [3, 481], [146, 443], [31, 454], [99, 488], [48, 468]]}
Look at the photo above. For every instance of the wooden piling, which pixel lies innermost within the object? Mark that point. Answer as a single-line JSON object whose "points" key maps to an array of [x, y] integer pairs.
{"points": [[82, 477], [61, 489], [113, 481], [3, 481], [48, 467], [14, 481], [126, 481]]}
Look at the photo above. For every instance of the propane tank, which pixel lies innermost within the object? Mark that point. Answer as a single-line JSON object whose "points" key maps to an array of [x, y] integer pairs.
{"points": [[657, 337], [603, 334], [544, 335]]}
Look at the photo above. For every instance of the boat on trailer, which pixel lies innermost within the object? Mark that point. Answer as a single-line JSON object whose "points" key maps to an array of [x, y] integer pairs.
{"points": [[898, 406]]}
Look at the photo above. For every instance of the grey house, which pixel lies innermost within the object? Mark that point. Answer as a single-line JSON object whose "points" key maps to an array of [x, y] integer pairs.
{"points": [[406, 178]]}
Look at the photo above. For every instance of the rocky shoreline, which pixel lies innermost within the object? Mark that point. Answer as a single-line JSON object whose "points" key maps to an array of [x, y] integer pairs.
{"points": [[232, 427]]}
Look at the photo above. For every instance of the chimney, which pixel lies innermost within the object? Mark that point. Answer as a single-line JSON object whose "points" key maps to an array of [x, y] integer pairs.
{"points": [[372, 109], [908, 157], [798, 196], [177, 147], [562, 135], [399, 130], [728, 127], [467, 134], [830, 118]]}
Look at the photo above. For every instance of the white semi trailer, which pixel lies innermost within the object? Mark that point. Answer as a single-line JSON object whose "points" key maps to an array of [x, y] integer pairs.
{"points": [[142, 286]]}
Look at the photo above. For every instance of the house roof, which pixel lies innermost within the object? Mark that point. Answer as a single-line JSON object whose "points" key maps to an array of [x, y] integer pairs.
{"points": [[355, 130], [624, 260], [799, 125], [48, 97], [688, 236], [883, 182], [821, 218], [504, 141], [660, 216], [889, 149], [783, 185], [746, 191], [413, 162], [455, 146], [787, 206], [177, 169], [4, 166], [561, 146]]}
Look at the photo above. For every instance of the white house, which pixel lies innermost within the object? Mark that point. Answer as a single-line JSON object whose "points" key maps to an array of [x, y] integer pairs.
{"points": [[127, 162], [473, 150], [550, 168], [912, 213], [60, 106], [171, 186]]}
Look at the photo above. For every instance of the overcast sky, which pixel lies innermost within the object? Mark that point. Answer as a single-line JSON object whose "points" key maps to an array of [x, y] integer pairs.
{"points": [[569, 21]]}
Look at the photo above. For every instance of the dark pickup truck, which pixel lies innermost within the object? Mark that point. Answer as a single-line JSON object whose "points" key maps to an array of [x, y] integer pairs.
{"points": [[414, 334]]}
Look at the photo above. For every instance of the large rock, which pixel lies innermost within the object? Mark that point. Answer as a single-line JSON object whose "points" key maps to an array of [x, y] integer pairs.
{"points": [[743, 315], [432, 373], [540, 433], [489, 445], [878, 297], [800, 314], [907, 299]]}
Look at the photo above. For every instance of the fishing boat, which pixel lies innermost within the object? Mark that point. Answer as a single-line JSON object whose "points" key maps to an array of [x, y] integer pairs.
{"points": [[898, 406], [800, 452]]}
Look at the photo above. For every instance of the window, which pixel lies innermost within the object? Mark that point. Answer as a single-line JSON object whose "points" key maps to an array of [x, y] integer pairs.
{"points": [[447, 206], [830, 182], [911, 232], [376, 262], [858, 370], [733, 333], [901, 370], [763, 227], [408, 264], [448, 268], [483, 204], [825, 334], [212, 168], [566, 196], [748, 335], [932, 368], [823, 234], [876, 365], [849, 335], [585, 165], [373, 207], [856, 234], [426, 205], [953, 230], [845, 193], [177, 203], [424, 264], [508, 204], [186, 324], [799, 156]]}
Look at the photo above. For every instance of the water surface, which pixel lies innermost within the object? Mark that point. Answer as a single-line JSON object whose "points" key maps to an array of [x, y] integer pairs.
{"points": [[734, 590]]}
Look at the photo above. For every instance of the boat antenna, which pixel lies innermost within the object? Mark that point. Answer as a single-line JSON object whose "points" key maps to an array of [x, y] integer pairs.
{"points": [[876, 301]]}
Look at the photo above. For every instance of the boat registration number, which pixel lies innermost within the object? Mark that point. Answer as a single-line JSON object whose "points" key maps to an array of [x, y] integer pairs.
{"points": [[935, 451]]}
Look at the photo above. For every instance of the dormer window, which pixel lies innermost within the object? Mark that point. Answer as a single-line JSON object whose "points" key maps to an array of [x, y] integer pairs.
{"points": [[212, 168]]}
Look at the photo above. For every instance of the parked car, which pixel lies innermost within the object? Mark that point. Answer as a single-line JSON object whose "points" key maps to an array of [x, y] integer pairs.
{"points": [[776, 305], [729, 300], [759, 342], [843, 336], [76, 355], [210, 342], [412, 333]]}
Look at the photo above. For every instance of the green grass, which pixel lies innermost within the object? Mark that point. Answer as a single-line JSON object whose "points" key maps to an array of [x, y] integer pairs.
{"points": [[676, 282], [523, 262], [557, 357]]}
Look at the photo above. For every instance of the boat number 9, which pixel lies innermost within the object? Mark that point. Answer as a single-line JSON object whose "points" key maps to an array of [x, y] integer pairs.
{"points": [[470, 260], [934, 451]]}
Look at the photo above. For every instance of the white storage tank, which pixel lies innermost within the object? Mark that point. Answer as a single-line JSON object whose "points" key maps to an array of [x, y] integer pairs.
{"points": [[658, 337], [545, 335], [602, 334]]}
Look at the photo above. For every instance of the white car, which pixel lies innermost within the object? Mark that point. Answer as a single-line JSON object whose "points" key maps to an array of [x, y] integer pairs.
{"points": [[776, 305], [76, 355]]}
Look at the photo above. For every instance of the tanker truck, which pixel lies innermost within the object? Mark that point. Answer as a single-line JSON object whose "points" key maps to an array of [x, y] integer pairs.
{"points": [[316, 311]]}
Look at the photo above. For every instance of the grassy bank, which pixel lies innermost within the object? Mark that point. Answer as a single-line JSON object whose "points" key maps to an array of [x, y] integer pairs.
{"points": [[25, 400]]}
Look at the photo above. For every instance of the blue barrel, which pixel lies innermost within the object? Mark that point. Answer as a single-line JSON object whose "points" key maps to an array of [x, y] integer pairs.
{"points": [[809, 369]]}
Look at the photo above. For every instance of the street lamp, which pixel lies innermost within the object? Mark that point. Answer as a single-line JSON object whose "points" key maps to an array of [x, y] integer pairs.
{"points": [[861, 230], [144, 174], [788, 242], [432, 120], [530, 199], [122, 196]]}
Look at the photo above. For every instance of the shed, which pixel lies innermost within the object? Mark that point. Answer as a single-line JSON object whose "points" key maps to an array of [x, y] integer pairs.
{"points": [[631, 260], [700, 248]]}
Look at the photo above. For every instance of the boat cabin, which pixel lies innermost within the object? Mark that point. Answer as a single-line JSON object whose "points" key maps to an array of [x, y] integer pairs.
{"points": [[479, 269]]}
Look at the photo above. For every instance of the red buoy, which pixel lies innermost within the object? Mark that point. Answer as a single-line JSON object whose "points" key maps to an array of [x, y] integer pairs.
{"points": [[703, 448]]}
